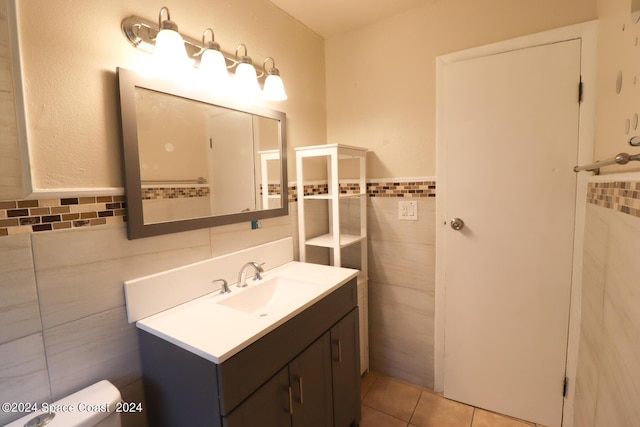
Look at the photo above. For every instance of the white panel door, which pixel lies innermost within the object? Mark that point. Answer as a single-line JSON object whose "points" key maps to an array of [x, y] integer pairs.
{"points": [[511, 141]]}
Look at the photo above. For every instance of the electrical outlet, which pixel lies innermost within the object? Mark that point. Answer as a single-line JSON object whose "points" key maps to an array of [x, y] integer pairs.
{"points": [[408, 211]]}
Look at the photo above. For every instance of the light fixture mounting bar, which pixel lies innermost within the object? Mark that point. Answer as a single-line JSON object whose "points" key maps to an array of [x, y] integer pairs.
{"points": [[141, 33]]}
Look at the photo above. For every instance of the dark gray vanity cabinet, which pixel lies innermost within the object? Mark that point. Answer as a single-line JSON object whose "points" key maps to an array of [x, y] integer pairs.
{"points": [[268, 406], [346, 370], [304, 373], [299, 395]]}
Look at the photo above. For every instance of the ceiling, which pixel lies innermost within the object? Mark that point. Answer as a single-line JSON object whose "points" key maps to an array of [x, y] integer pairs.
{"points": [[329, 18]]}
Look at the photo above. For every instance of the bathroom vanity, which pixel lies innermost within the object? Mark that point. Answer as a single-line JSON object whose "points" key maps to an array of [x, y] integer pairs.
{"points": [[292, 361]]}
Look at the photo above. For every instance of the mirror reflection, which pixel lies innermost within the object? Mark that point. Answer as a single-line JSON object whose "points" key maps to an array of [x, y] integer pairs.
{"points": [[190, 158], [199, 160]]}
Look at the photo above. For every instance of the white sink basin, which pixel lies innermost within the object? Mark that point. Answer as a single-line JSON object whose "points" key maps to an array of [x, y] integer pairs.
{"points": [[266, 296], [216, 326]]}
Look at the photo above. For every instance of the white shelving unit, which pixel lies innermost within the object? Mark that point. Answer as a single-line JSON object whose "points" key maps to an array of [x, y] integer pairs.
{"points": [[265, 157], [343, 233]]}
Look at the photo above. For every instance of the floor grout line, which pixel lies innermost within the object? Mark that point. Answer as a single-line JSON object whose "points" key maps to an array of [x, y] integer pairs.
{"points": [[423, 390]]}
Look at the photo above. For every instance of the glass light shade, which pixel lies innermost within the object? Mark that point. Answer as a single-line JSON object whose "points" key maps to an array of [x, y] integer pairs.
{"points": [[245, 82], [170, 54], [213, 70], [274, 88]]}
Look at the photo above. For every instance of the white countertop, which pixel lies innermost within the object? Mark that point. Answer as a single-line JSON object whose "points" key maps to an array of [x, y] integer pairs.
{"points": [[216, 332]]}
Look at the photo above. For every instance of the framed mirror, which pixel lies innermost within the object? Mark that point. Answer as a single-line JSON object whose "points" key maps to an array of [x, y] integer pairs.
{"points": [[195, 161]]}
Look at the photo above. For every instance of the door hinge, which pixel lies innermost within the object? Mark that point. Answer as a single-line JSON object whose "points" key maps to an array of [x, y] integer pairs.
{"points": [[580, 90], [565, 386]]}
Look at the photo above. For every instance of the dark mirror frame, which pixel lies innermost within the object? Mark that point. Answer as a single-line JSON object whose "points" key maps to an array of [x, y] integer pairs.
{"points": [[128, 80]]}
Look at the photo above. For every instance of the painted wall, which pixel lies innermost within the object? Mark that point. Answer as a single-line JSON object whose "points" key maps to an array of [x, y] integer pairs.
{"points": [[381, 95], [381, 79], [71, 88], [618, 53]]}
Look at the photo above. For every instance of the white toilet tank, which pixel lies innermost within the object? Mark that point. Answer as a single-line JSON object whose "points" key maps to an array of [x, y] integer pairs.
{"points": [[90, 407]]}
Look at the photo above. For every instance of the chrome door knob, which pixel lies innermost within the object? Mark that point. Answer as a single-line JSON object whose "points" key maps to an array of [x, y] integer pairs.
{"points": [[457, 224]]}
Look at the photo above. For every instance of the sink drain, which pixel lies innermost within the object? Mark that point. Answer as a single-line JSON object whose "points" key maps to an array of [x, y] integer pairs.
{"points": [[264, 314]]}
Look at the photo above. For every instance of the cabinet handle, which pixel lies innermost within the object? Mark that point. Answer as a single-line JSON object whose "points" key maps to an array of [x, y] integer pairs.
{"points": [[339, 351], [301, 391], [290, 401]]}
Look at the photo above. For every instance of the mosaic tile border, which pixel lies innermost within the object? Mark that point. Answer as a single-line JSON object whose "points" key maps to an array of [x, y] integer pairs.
{"points": [[38, 215], [30, 216], [155, 193], [620, 196], [379, 188], [402, 189]]}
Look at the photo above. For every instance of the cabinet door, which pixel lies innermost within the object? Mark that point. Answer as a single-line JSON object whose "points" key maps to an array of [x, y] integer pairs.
{"points": [[310, 380], [267, 407], [345, 346]]}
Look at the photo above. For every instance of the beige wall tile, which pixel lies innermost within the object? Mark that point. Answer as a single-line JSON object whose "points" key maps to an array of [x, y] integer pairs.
{"points": [[607, 388], [65, 248], [23, 373], [81, 272], [618, 388], [234, 237], [383, 222], [401, 290], [406, 264], [102, 346], [593, 282], [401, 333], [19, 313]]}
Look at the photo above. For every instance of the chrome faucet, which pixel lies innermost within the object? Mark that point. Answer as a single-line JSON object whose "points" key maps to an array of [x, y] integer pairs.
{"points": [[225, 286], [242, 277]]}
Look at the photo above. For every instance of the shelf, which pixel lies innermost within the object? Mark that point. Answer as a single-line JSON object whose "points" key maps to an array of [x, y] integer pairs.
{"points": [[347, 216], [329, 196], [343, 151], [326, 240]]}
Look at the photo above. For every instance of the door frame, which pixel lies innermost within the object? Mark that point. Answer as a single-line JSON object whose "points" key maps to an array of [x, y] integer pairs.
{"points": [[587, 33]]}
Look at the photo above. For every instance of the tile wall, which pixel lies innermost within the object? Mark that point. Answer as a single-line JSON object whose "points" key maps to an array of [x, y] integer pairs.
{"points": [[62, 305], [62, 314], [27, 216], [402, 290], [608, 376]]}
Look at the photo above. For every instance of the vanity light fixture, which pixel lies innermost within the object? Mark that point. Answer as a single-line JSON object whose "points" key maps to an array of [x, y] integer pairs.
{"points": [[273, 86], [213, 65], [245, 81], [171, 48]]}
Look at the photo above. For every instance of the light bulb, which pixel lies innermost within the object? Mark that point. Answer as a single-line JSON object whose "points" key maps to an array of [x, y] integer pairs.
{"points": [[213, 71], [170, 54], [274, 88], [245, 82]]}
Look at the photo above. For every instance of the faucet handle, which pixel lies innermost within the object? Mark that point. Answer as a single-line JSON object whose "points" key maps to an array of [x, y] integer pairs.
{"points": [[259, 270], [225, 286]]}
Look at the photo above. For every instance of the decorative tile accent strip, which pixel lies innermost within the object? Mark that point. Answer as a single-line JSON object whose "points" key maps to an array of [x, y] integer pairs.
{"points": [[408, 189], [402, 189], [149, 193], [30, 216], [316, 189], [621, 196], [273, 189]]}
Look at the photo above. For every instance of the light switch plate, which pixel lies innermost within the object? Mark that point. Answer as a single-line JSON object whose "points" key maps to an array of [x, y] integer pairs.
{"points": [[408, 211]]}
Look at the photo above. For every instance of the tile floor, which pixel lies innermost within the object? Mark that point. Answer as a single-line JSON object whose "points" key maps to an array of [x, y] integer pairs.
{"points": [[387, 402]]}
